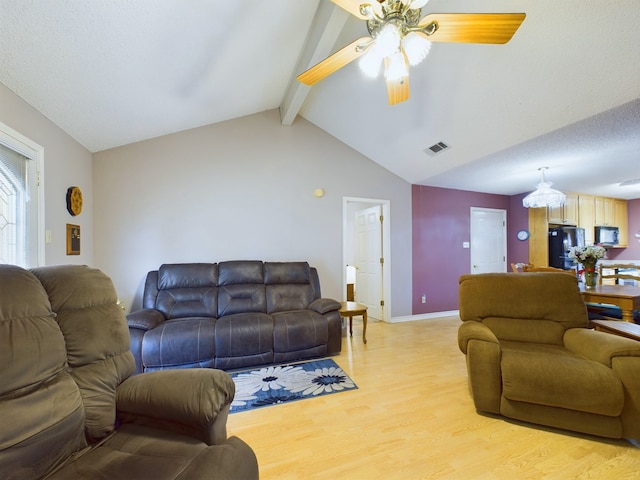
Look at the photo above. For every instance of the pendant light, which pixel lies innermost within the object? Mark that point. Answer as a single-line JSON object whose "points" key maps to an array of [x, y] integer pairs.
{"points": [[544, 195]]}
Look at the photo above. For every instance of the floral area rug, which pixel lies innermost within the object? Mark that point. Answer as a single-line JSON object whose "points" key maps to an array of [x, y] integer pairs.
{"points": [[286, 383]]}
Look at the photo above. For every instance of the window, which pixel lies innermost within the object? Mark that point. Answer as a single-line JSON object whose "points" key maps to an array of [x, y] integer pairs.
{"points": [[21, 219]]}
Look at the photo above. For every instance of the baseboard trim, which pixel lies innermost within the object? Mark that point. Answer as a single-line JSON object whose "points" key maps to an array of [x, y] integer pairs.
{"points": [[424, 316]]}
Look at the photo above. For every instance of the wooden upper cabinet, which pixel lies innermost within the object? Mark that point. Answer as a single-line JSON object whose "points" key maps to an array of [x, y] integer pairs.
{"points": [[586, 211], [566, 214], [604, 213], [621, 220]]}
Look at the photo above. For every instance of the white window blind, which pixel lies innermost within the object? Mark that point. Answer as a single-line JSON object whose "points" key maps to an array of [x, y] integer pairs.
{"points": [[19, 202]]}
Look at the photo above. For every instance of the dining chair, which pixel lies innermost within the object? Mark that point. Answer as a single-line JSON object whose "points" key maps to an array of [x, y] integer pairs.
{"points": [[532, 268], [613, 272]]}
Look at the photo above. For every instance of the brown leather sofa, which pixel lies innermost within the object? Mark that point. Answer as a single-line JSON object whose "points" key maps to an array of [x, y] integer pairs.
{"points": [[234, 314], [531, 356], [70, 408]]}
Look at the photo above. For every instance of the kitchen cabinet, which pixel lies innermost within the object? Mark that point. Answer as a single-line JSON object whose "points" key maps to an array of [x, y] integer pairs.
{"points": [[566, 214], [604, 211], [586, 219], [621, 220], [589, 212]]}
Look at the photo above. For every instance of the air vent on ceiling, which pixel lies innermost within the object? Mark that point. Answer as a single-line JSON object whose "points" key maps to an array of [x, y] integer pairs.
{"points": [[436, 148]]}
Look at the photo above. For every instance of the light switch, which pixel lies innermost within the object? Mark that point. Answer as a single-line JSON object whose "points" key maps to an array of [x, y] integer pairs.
{"points": [[48, 236], [465, 245]]}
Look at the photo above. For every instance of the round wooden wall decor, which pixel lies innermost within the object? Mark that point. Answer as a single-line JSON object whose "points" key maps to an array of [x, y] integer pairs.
{"points": [[74, 201]]}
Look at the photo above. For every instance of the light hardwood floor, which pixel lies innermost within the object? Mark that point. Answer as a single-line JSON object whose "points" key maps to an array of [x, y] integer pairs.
{"points": [[412, 418]]}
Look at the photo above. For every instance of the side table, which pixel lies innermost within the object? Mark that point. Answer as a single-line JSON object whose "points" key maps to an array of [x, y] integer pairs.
{"points": [[617, 327], [351, 309]]}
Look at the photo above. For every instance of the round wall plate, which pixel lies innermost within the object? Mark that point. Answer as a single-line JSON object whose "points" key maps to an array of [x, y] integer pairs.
{"points": [[74, 201], [523, 235]]}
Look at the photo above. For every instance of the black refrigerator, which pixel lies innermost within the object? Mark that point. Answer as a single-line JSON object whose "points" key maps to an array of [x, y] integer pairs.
{"points": [[561, 239]]}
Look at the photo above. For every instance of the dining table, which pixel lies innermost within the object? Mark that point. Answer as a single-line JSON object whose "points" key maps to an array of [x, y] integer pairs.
{"points": [[627, 297]]}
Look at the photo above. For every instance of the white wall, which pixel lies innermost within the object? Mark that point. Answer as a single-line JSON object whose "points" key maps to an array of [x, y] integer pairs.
{"points": [[66, 164], [242, 189]]}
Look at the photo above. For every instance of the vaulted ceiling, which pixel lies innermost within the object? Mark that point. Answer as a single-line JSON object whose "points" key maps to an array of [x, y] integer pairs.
{"points": [[563, 93]]}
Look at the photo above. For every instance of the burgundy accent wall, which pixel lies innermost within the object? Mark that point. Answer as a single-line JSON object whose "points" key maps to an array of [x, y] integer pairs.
{"points": [[441, 223], [633, 251]]}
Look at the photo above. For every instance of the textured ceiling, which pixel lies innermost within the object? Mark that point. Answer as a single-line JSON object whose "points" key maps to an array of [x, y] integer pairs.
{"points": [[563, 93]]}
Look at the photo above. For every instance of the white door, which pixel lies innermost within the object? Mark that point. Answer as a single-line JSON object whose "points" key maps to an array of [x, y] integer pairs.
{"points": [[369, 260], [488, 240]]}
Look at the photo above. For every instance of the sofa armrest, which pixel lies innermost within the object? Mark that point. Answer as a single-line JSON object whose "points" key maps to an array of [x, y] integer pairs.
{"points": [[192, 401], [483, 355], [324, 305], [601, 347], [472, 330], [145, 319]]}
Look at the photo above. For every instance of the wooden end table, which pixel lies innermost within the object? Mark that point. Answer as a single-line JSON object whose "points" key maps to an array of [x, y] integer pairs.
{"points": [[352, 309], [616, 327]]}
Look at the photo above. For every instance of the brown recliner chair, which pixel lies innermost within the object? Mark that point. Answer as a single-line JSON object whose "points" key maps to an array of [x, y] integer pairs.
{"points": [[70, 408], [531, 356]]}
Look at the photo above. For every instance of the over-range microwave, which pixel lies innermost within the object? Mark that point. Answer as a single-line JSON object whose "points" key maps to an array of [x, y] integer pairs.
{"points": [[606, 236]]}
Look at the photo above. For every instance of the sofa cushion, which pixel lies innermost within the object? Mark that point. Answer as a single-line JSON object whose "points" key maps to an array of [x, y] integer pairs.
{"points": [[526, 330], [299, 334], [187, 290], [553, 376], [139, 452], [288, 297], [180, 343], [500, 296], [40, 404], [286, 272], [241, 298], [240, 272], [243, 339], [96, 338], [188, 302], [187, 275]]}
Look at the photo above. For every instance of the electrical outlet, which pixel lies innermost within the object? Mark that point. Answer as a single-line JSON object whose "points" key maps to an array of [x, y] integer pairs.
{"points": [[424, 298]]}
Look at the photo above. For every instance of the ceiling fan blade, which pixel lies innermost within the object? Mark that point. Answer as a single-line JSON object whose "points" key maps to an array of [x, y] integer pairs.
{"points": [[335, 61], [353, 7], [397, 89], [473, 27]]}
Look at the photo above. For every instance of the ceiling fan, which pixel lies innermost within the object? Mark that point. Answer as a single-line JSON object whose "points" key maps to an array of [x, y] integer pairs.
{"points": [[398, 37]]}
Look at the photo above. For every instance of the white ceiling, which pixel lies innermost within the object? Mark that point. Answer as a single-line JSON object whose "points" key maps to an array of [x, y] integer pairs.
{"points": [[563, 93]]}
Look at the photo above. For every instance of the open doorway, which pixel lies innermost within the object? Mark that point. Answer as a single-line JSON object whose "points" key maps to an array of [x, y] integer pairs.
{"points": [[366, 246]]}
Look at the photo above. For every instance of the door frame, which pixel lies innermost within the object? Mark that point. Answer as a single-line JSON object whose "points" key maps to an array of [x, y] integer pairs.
{"points": [[386, 246]]}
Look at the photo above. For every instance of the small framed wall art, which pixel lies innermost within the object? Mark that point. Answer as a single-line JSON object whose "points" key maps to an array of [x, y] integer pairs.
{"points": [[73, 239]]}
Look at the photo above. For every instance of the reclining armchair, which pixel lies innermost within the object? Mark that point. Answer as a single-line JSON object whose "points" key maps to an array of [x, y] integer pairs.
{"points": [[531, 356], [70, 408]]}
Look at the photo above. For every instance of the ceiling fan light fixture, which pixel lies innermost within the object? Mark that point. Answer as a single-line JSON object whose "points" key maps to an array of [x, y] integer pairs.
{"points": [[370, 63], [392, 27], [416, 47], [367, 10], [396, 67], [544, 195], [417, 3], [388, 39]]}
